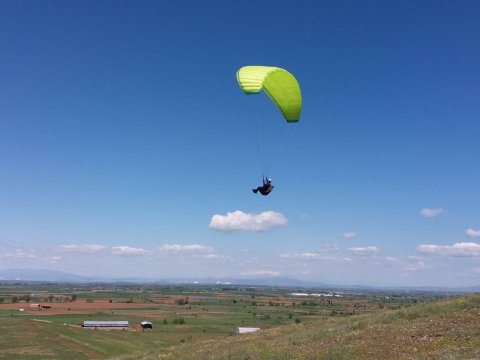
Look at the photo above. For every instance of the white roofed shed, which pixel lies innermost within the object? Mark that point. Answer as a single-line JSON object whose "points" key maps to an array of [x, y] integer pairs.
{"points": [[246, 330]]}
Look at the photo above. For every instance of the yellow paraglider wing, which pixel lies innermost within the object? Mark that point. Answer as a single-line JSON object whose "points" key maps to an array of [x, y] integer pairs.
{"points": [[281, 87]]}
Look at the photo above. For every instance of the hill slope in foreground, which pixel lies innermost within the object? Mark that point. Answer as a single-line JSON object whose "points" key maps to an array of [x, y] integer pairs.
{"points": [[448, 329]]}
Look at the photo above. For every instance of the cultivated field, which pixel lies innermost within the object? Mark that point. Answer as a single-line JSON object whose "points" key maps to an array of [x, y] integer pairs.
{"points": [[195, 322]]}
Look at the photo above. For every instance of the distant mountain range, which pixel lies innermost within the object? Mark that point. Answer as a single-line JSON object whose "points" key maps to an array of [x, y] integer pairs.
{"points": [[38, 275], [60, 276], [42, 275]]}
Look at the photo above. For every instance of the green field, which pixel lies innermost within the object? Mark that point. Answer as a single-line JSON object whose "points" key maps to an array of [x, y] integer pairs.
{"points": [[193, 322]]}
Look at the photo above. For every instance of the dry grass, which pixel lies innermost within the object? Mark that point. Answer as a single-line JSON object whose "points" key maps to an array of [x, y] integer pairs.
{"points": [[448, 329]]}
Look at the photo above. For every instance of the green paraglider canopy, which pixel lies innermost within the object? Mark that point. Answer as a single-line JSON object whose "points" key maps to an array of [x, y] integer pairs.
{"points": [[281, 87]]}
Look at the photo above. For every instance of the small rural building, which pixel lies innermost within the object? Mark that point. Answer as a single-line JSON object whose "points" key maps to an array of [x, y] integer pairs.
{"points": [[105, 324], [245, 330], [146, 325], [41, 306]]}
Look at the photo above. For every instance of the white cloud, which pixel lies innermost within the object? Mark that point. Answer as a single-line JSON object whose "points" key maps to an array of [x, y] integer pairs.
{"points": [[128, 250], [212, 256], [191, 248], [468, 249], [415, 263], [55, 259], [350, 235], [238, 220], [314, 257], [87, 248], [305, 255], [261, 273], [431, 249], [431, 213], [369, 250], [472, 233], [18, 254]]}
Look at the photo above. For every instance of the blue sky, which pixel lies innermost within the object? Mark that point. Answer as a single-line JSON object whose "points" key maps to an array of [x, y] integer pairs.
{"points": [[128, 149]]}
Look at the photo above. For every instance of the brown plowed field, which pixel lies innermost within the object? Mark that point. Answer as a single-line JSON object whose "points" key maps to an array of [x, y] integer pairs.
{"points": [[79, 306]]}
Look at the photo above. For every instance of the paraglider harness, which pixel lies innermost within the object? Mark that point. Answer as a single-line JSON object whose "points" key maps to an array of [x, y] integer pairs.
{"points": [[266, 188]]}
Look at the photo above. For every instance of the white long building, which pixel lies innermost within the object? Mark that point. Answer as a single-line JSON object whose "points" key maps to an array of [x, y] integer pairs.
{"points": [[105, 324], [245, 330], [316, 295]]}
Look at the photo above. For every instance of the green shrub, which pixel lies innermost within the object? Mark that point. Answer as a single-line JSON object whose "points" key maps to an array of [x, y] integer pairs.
{"points": [[178, 321]]}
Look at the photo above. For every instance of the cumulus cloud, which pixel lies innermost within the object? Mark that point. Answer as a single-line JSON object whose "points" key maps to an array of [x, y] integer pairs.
{"points": [[467, 249], [190, 248], [86, 248], [238, 220], [472, 233], [128, 250], [369, 250], [431, 213], [350, 235]]}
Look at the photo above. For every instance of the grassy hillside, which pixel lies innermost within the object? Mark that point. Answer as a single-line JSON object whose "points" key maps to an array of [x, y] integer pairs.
{"points": [[448, 329], [369, 325]]}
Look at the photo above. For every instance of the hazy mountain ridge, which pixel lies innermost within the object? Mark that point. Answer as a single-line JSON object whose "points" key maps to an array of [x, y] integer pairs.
{"points": [[38, 275]]}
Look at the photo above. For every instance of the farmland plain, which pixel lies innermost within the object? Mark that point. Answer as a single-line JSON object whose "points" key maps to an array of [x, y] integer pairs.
{"points": [[199, 322]]}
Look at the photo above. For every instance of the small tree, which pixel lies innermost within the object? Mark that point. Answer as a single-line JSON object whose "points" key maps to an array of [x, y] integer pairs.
{"points": [[180, 302], [73, 297], [25, 298], [14, 299]]}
